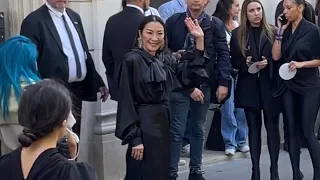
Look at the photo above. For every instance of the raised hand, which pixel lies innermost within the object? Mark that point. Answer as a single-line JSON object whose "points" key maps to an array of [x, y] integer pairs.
{"points": [[194, 27]]}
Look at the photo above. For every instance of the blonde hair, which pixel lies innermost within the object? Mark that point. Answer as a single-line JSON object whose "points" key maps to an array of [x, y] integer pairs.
{"points": [[267, 29]]}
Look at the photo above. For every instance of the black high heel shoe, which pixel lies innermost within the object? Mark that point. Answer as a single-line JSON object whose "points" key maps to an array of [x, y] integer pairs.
{"points": [[255, 175]]}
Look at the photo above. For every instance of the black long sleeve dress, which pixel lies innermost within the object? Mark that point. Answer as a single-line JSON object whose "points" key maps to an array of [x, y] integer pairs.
{"points": [[50, 165], [143, 115]]}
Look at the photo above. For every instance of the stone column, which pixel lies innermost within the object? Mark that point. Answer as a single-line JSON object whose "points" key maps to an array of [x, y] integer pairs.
{"points": [[98, 144]]}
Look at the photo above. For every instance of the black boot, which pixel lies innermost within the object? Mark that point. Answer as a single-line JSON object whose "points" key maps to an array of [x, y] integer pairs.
{"points": [[196, 176]]}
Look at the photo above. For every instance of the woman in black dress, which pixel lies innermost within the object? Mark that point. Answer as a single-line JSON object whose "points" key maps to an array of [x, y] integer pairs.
{"points": [[251, 43], [44, 118], [147, 75], [297, 43]]}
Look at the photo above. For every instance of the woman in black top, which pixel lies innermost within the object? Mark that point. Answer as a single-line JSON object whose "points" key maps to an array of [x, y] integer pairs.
{"points": [[43, 112], [297, 43], [252, 42], [147, 74]]}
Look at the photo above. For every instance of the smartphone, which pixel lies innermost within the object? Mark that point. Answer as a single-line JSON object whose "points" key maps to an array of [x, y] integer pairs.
{"points": [[283, 19]]}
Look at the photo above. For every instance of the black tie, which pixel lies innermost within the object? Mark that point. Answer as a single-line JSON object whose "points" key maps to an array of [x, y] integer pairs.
{"points": [[74, 49]]}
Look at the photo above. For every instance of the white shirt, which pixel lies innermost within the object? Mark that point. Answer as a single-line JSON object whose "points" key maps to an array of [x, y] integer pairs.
{"points": [[152, 11], [228, 35], [66, 44], [137, 7]]}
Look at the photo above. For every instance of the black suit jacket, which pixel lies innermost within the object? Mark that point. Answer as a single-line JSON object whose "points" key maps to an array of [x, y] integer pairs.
{"points": [[120, 33], [52, 62], [252, 91]]}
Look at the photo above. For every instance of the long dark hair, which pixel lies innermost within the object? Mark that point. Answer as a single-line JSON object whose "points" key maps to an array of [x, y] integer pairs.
{"points": [[222, 10], [146, 20]]}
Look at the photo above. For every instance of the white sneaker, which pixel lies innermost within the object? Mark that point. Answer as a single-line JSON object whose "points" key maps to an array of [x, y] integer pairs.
{"points": [[185, 151], [244, 149], [230, 152], [182, 162]]}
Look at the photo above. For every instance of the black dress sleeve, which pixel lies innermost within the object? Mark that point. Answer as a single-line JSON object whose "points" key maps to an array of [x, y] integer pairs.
{"points": [[82, 171], [237, 59], [189, 70], [127, 128], [315, 39]]}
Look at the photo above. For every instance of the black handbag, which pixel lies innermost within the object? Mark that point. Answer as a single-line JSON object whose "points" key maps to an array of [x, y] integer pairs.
{"points": [[215, 140]]}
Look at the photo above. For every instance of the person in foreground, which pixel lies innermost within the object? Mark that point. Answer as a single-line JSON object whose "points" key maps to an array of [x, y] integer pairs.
{"points": [[44, 119], [297, 43], [146, 77]]}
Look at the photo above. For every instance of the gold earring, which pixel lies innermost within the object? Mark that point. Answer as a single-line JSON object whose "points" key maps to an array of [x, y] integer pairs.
{"points": [[162, 46], [139, 42]]}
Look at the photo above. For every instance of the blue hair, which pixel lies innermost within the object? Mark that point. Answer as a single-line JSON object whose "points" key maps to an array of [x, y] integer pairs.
{"points": [[18, 62]]}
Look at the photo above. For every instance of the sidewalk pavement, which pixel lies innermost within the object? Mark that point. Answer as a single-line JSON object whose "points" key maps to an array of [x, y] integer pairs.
{"points": [[240, 169]]}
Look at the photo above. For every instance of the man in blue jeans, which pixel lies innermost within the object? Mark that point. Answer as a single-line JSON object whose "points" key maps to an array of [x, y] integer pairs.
{"points": [[184, 106]]}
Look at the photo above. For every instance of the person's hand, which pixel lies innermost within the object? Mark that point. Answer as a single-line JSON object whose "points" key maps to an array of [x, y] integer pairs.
{"points": [[262, 64], [283, 27], [197, 95], [104, 93], [137, 152], [248, 61], [221, 93], [72, 145], [194, 27], [293, 65], [178, 54]]}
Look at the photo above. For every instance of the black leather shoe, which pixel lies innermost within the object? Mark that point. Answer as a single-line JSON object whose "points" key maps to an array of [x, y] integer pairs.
{"points": [[195, 176]]}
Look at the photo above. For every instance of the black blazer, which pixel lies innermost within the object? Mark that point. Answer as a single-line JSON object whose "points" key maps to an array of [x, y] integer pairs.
{"points": [[52, 62], [119, 35], [253, 91]]}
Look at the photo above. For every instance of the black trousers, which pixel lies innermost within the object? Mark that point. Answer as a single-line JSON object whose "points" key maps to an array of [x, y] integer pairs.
{"points": [[254, 120], [300, 112], [76, 94]]}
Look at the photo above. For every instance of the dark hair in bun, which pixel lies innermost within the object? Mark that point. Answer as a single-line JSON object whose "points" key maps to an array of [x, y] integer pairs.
{"points": [[43, 107]]}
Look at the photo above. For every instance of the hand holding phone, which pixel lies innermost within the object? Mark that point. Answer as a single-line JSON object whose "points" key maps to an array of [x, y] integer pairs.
{"points": [[283, 19]]}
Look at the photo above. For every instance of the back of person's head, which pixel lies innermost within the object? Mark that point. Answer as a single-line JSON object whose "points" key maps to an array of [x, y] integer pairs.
{"points": [[44, 108], [222, 10], [18, 57]]}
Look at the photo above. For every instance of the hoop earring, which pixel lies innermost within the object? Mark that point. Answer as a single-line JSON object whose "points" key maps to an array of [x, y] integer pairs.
{"points": [[139, 42]]}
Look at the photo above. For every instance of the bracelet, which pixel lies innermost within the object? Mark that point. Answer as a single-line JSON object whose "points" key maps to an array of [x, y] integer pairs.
{"points": [[279, 37]]}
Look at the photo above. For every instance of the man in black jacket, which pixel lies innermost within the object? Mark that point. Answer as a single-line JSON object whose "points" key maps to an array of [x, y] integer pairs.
{"points": [[184, 106], [59, 36], [120, 32]]}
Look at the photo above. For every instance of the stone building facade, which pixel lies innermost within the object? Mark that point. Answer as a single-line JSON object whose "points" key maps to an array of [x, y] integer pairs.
{"points": [[98, 143]]}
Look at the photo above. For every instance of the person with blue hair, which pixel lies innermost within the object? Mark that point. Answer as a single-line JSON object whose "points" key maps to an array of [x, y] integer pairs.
{"points": [[18, 69]]}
